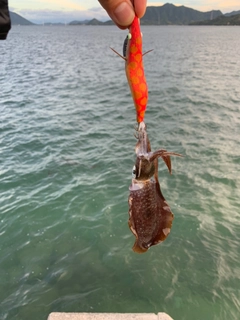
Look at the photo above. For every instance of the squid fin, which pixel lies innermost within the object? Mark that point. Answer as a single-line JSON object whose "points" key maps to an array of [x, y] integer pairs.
{"points": [[137, 248]]}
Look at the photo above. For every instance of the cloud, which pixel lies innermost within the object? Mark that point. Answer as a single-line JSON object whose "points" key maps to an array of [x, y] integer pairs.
{"points": [[49, 4], [96, 9], [54, 16], [70, 5], [155, 4], [223, 5], [13, 9]]}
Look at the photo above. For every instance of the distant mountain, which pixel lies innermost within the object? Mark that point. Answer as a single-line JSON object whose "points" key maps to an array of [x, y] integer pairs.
{"points": [[233, 13], [54, 24], [76, 22], [17, 19], [109, 23], [85, 22], [170, 14], [232, 20], [93, 22]]}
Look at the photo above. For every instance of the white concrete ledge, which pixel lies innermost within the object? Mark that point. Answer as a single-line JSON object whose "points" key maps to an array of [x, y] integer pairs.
{"points": [[108, 316]]}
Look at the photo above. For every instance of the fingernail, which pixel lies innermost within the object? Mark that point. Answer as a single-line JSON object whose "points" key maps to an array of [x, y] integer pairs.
{"points": [[124, 14]]}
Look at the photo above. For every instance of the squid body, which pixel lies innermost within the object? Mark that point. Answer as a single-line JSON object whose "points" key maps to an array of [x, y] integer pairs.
{"points": [[150, 217]]}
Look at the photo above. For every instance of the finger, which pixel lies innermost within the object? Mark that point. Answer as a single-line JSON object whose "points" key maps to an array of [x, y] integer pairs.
{"points": [[140, 7], [121, 12]]}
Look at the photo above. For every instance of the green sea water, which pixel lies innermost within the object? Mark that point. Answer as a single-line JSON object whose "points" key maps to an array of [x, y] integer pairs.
{"points": [[67, 151]]}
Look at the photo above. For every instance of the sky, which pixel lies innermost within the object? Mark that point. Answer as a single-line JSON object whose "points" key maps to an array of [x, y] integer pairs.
{"points": [[42, 11]]}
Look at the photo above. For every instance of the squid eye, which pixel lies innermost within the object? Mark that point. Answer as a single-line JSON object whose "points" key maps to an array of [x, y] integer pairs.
{"points": [[134, 172], [129, 36]]}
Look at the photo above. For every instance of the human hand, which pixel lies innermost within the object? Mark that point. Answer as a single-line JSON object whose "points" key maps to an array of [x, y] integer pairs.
{"points": [[122, 12]]}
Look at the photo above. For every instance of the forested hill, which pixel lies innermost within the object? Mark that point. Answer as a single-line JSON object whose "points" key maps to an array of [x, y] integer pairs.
{"points": [[233, 20], [16, 19], [170, 14]]}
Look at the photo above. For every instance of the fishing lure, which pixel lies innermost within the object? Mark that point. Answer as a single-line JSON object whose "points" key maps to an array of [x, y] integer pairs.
{"points": [[150, 217], [132, 54]]}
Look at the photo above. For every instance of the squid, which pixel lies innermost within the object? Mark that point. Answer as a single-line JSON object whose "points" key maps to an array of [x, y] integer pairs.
{"points": [[150, 217]]}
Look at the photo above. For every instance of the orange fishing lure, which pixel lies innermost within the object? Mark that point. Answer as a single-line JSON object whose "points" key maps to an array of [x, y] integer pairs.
{"points": [[132, 54]]}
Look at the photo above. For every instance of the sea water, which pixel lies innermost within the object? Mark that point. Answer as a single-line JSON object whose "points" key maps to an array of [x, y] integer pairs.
{"points": [[67, 151]]}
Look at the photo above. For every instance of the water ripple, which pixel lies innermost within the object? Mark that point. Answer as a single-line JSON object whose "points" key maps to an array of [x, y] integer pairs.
{"points": [[67, 149]]}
